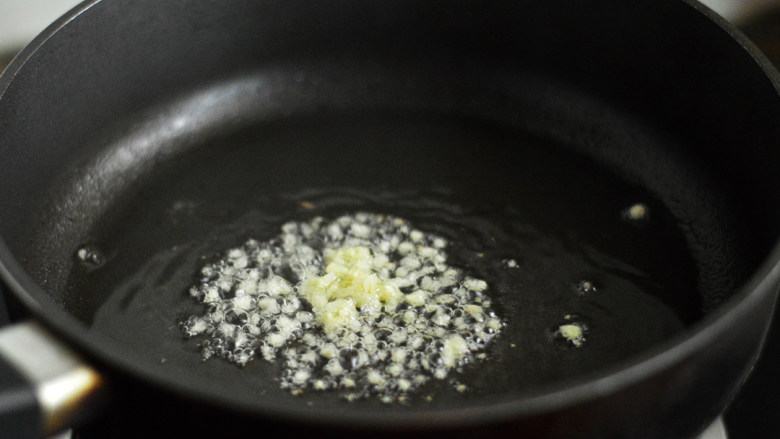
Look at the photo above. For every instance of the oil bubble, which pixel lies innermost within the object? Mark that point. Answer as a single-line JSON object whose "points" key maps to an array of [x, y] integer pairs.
{"points": [[636, 212], [90, 256], [383, 351], [585, 287]]}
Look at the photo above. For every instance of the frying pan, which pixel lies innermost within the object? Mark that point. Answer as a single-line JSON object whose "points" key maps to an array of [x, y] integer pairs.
{"points": [[151, 136]]}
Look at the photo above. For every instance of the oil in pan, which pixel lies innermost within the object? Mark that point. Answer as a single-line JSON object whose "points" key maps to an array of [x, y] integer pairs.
{"points": [[365, 304], [548, 266]]}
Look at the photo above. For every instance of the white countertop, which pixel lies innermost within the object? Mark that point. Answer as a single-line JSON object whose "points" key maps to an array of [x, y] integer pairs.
{"points": [[22, 20]]}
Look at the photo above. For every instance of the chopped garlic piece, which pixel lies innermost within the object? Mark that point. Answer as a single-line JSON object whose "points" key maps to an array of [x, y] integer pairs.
{"points": [[416, 298], [348, 285], [364, 304], [475, 311], [477, 285], [454, 349], [573, 333]]}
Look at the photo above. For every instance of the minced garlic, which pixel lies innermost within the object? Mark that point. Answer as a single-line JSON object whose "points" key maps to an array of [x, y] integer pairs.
{"points": [[350, 285], [573, 333], [364, 304]]}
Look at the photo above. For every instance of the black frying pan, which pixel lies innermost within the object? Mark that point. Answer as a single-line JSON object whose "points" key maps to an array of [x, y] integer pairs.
{"points": [[161, 134]]}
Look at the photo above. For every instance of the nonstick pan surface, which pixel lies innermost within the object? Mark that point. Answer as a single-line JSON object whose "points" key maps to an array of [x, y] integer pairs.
{"points": [[187, 143]]}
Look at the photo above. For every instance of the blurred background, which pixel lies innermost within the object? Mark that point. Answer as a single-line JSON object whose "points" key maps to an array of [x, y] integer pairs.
{"points": [[22, 20]]}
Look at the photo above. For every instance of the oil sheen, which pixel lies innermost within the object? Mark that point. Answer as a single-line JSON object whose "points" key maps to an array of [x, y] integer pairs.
{"points": [[580, 269], [364, 304]]}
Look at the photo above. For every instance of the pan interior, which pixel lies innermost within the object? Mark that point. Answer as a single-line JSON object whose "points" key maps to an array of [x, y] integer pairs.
{"points": [[496, 176]]}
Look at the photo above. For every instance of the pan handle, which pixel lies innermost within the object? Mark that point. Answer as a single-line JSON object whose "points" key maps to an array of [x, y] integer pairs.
{"points": [[44, 386]]}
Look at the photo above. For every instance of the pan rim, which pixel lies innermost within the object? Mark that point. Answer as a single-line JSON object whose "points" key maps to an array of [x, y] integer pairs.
{"points": [[763, 282], [588, 387]]}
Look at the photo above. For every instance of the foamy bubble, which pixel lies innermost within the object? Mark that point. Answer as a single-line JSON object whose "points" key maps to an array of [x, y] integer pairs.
{"points": [[257, 308]]}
